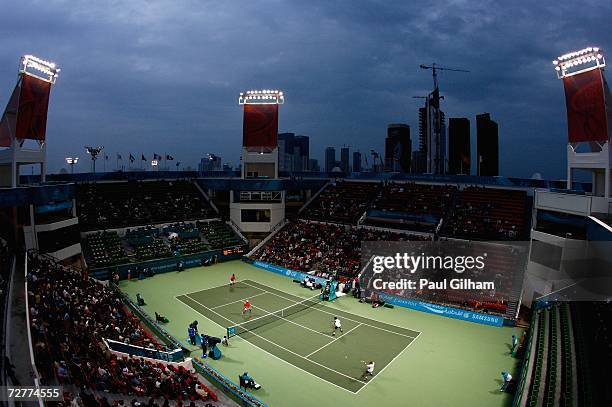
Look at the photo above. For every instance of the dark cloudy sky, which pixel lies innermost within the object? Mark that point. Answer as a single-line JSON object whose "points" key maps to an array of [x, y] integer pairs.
{"points": [[164, 76]]}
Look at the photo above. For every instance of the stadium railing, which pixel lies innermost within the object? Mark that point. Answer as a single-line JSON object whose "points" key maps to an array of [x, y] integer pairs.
{"points": [[175, 355], [5, 317], [157, 329], [36, 375]]}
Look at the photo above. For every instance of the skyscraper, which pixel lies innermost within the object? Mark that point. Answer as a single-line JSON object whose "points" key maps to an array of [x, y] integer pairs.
{"points": [[356, 161], [293, 152], [330, 159], [211, 162], [487, 145], [398, 148], [458, 145], [344, 160], [313, 165], [432, 134]]}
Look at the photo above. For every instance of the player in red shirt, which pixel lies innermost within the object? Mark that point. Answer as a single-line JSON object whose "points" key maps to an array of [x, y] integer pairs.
{"points": [[247, 307], [233, 279]]}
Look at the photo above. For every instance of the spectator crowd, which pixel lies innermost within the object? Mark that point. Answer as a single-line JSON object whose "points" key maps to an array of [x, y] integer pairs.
{"points": [[71, 315]]}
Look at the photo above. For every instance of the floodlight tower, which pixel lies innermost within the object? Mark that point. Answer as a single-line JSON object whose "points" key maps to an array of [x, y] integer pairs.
{"points": [[25, 118], [260, 132], [588, 117], [94, 152], [72, 161], [259, 211]]}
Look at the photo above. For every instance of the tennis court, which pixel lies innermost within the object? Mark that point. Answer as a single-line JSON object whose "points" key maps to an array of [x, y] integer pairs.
{"points": [[300, 332]]}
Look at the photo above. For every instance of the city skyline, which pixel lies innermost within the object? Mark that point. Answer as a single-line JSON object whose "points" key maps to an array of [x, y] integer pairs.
{"points": [[147, 72]]}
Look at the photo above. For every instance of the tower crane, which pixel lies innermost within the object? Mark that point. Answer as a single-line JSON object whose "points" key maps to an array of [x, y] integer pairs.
{"points": [[436, 141], [434, 70]]}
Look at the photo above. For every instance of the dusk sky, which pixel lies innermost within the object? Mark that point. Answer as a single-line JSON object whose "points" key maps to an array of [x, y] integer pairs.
{"points": [[164, 76]]}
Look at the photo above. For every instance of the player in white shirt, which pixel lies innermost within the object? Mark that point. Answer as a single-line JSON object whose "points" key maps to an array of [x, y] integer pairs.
{"points": [[337, 326], [369, 372]]}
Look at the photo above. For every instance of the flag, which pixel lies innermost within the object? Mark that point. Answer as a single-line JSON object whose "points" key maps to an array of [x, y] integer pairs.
{"points": [[132, 159], [106, 157], [119, 157], [177, 164], [143, 158], [157, 156], [169, 157]]}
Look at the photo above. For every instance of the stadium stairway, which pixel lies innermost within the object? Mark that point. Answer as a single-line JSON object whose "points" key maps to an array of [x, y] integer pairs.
{"points": [[312, 198]]}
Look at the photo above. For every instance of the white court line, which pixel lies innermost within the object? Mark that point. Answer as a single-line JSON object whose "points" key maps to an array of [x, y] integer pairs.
{"points": [[277, 345], [388, 364], [348, 319], [222, 285], [240, 300], [287, 320], [341, 336]]}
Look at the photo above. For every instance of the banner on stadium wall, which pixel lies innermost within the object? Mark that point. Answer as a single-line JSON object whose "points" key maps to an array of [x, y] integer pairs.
{"points": [[260, 125], [295, 275], [33, 107], [442, 310], [586, 107]]}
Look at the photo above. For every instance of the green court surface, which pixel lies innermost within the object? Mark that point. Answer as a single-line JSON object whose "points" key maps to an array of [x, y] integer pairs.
{"points": [[298, 361], [304, 338]]}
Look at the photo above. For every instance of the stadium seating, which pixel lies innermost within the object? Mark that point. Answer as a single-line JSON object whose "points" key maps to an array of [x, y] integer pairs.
{"points": [[488, 213], [342, 202], [306, 246], [70, 316], [105, 249], [549, 371], [218, 234], [150, 242], [411, 206], [154, 248], [474, 213], [120, 204]]}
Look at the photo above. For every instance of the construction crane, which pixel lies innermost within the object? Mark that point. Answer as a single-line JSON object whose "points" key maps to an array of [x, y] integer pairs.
{"points": [[435, 139], [434, 70]]}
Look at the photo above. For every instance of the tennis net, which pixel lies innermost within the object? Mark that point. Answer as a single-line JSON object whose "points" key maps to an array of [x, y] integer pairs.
{"points": [[271, 317]]}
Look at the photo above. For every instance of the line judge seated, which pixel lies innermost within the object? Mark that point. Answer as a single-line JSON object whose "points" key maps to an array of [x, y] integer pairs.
{"points": [[247, 382]]}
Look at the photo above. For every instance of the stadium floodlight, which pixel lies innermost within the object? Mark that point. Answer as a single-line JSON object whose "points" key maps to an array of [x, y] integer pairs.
{"points": [[39, 68], [71, 161], [576, 62], [261, 97], [94, 152]]}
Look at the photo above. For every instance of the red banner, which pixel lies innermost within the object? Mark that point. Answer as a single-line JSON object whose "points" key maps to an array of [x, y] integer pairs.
{"points": [[33, 106], [260, 125], [586, 107]]}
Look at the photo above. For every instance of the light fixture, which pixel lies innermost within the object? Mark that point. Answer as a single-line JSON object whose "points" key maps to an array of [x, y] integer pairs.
{"points": [[39, 68]]}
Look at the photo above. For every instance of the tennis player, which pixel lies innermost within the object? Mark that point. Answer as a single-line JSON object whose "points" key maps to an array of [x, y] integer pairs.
{"points": [[233, 279], [247, 307], [337, 326], [369, 372]]}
